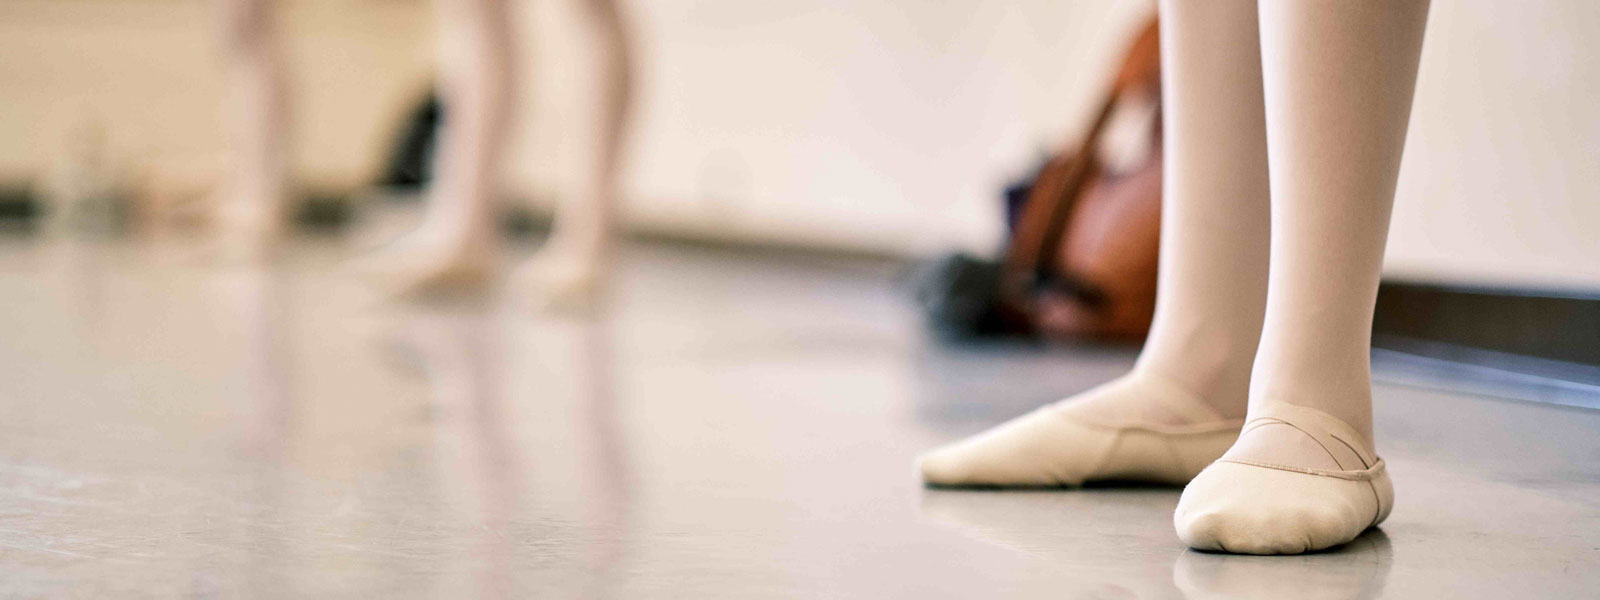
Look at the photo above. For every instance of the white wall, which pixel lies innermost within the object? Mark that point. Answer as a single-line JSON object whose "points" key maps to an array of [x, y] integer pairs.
{"points": [[886, 125], [1501, 178], [147, 71]]}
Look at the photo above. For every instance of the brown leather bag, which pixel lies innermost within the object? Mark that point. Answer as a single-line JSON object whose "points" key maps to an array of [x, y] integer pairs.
{"points": [[1082, 259]]}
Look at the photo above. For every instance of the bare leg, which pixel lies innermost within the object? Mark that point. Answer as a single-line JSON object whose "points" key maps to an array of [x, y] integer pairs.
{"points": [[250, 210], [1339, 77], [569, 269], [458, 244], [1193, 375]]}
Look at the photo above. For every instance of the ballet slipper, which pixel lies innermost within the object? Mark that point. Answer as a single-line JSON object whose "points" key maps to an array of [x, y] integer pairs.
{"points": [[564, 278], [421, 271], [246, 232], [1248, 506], [560, 287], [1057, 446]]}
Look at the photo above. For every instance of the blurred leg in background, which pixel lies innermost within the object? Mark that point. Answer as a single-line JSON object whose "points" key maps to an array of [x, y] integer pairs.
{"points": [[570, 269], [1183, 403], [1338, 79], [249, 215], [458, 243]]}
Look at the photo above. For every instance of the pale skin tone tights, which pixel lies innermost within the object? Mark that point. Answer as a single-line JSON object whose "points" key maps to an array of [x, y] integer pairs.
{"points": [[1321, 91]]}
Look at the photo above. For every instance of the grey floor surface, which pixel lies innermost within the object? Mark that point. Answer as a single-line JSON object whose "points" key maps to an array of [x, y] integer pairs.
{"points": [[733, 425]]}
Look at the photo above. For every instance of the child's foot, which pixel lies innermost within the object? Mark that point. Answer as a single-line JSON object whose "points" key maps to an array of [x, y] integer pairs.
{"points": [[246, 231], [565, 275], [429, 263], [1137, 428]]}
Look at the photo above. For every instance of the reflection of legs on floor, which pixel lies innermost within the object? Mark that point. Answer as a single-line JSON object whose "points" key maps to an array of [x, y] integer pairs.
{"points": [[1183, 404], [263, 418], [1338, 84], [249, 210], [608, 492], [570, 269], [1055, 529], [478, 457], [457, 245], [265, 402]]}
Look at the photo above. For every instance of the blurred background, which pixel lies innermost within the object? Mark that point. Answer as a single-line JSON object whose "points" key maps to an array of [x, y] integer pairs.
{"points": [[860, 125]]}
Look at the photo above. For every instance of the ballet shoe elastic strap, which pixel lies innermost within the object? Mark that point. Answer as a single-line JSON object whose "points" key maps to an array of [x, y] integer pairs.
{"points": [[1362, 475], [1332, 434]]}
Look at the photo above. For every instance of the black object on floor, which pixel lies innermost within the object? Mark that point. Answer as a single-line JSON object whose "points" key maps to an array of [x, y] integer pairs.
{"points": [[326, 211], [410, 163], [20, 210], [958, 295]]}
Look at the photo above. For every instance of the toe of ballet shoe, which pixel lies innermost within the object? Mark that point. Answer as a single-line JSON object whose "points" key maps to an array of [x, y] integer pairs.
{"points": [[1039, 449], [1247, 509], [974, 463], [942, 467]]}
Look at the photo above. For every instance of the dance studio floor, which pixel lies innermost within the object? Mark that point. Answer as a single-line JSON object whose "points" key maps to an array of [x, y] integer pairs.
{"points": [[736, 424]]}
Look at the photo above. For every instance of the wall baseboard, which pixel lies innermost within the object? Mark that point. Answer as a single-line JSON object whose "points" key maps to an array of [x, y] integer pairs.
{"points": [[1541, 333]]}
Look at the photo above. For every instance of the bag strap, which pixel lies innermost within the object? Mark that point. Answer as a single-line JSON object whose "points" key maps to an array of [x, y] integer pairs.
{"points": [[1036, 243]]}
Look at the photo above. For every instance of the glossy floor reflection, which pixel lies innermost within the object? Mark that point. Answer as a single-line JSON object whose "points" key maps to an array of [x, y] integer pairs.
{"points": [[733, 425]]}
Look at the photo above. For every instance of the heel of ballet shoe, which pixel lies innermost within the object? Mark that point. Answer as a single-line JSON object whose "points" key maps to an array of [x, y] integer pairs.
{"points": [[1165, 457], [1383, 491]]}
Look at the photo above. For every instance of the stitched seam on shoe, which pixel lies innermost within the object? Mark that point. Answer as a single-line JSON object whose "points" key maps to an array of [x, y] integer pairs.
{"points": [[1177, 458], [1377, 501], [1363, 475], [1194, 429], [1186, 429], [1095, 472], [1324, 447], [1271, 420]]}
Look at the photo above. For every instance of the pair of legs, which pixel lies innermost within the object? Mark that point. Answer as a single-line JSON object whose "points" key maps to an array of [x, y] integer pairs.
{"points": [[458, 240], [1284, 126]]}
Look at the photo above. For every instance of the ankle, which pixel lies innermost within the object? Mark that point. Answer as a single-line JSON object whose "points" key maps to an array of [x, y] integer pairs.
{"points": [[1344, 394], [1220, 386]]}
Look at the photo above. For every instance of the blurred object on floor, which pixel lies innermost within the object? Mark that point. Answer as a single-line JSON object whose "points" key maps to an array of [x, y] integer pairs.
{"points": [[19, 208], [322, 210], [409, 165], [959, 297]]}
